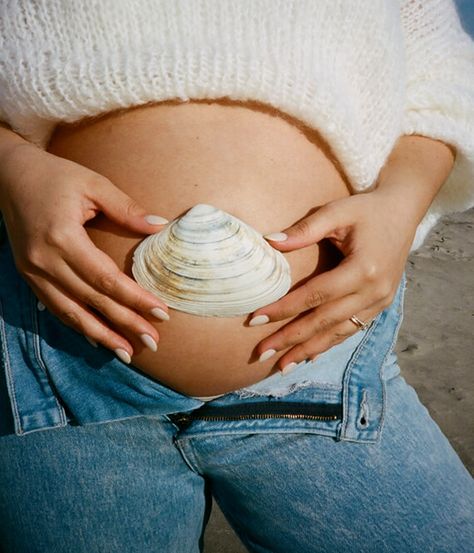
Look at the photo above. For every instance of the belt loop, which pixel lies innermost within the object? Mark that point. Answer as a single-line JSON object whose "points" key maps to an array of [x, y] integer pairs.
{"points": [[364, 396]]}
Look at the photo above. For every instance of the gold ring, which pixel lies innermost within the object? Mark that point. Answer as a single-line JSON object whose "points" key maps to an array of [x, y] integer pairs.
{"points": [[359, 323]]}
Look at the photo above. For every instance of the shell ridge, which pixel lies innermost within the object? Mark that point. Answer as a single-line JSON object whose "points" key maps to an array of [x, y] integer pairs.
{"points": [[210, 263]]}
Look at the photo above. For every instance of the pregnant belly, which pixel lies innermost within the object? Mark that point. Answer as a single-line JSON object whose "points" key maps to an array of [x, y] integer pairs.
{"points": [[247, 159]]}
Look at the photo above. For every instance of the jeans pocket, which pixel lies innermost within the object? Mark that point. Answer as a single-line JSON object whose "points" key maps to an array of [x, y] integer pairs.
{"points": [[32, 400], [94, 384], [55, 375]]}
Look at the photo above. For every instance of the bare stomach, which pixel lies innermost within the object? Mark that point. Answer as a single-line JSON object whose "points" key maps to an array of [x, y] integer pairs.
{"points": [[249, 160]]}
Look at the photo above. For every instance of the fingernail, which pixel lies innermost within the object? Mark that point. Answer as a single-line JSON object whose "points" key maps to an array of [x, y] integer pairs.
{"points": [[288, 368], [267, 354], [259, 320], [155, 220], [123, 355], [315, 357], [149, 342], [276, 236], [91, 341], [160, 314]]}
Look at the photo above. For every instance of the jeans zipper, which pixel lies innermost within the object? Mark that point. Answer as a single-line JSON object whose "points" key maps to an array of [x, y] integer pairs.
{"points": [[266, 410]]}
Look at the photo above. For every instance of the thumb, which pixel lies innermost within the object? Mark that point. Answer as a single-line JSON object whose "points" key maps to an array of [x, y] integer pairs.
{"points": [[310, 229], [120, 208]]}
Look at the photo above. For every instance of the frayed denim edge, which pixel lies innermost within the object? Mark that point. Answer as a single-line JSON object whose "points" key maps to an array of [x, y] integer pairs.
{"points": [[284, 391]]}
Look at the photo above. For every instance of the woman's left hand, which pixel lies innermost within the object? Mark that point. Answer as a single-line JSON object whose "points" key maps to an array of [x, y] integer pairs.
{"points": [[374, 235]]}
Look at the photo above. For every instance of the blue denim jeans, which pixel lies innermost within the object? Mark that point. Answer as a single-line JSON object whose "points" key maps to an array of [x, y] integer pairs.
{"points": [[97, 456]]}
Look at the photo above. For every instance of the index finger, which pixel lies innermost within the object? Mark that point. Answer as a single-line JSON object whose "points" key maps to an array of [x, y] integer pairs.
{"points": [[325, 287], [101, 272]]}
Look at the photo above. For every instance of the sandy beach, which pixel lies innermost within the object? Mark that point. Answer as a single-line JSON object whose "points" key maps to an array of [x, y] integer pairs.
{"points": [[435, 346]]}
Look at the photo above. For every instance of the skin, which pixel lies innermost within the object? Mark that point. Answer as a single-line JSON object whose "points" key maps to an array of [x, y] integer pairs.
{"points": [[40, 233], [244, 159], [373, 231]]}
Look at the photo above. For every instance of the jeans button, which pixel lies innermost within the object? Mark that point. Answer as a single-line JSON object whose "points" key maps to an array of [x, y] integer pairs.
{"points": [[40, 306]]}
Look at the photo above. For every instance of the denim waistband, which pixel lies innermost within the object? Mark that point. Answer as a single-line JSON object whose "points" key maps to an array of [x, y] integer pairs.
{"points": [[327, 371], [356, 408], [54, 377]]}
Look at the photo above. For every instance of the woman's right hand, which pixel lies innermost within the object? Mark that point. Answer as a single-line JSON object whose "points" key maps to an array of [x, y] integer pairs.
{"points": [[45, 201]]}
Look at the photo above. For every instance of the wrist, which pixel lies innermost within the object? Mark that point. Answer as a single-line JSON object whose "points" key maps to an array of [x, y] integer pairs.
{"points": [[15, 158], [16, 152], [403, 195], [413, 175]]}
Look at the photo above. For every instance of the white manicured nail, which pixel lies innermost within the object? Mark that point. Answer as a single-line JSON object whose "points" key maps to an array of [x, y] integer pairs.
{"points": [[155, 220], [149, 342], [267, 354], [160, 314], [91, 341], [288, 368], [276, 236], [259, 320], [123, 355]]}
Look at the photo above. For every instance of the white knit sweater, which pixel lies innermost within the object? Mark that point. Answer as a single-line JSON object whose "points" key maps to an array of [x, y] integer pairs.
{"points": [[361, 72]]}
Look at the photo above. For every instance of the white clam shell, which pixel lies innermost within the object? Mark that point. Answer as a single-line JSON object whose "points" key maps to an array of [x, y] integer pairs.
{"points": [[212, 264]]}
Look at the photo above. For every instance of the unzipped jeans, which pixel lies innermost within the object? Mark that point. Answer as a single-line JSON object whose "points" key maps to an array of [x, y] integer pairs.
{"points": [[96, 456]]}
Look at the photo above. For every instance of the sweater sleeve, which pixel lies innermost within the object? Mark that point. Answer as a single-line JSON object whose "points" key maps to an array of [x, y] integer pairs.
{"points": [[440, 97]]}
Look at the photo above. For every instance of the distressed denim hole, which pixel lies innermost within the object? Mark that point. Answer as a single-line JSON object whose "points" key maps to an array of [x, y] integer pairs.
{"points": [[363, 419]]}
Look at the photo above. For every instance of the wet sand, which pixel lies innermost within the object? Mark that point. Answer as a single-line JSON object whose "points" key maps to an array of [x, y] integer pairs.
{"points": [[435, 346]]}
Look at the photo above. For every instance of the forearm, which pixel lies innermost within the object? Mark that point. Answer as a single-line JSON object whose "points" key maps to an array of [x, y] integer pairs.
{"points": [[10, 143], [413, 174]]}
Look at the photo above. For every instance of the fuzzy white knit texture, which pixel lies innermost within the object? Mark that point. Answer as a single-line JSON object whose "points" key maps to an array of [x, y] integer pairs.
{"points": [[361, 72]]}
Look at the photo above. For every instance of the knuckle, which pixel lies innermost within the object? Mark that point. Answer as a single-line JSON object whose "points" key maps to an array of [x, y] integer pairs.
{"points": [[340, 336], [106, 282], [334, 341], [325, 323], [285, 336], [131, 207], [303, 228], [141, 302], [108, 337], [24, 267], [329, 208], [71, 318], [313, 298], [57, 237], [370, 272], [97, 301], [93, 181], [33, 257], [303, 351]]}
